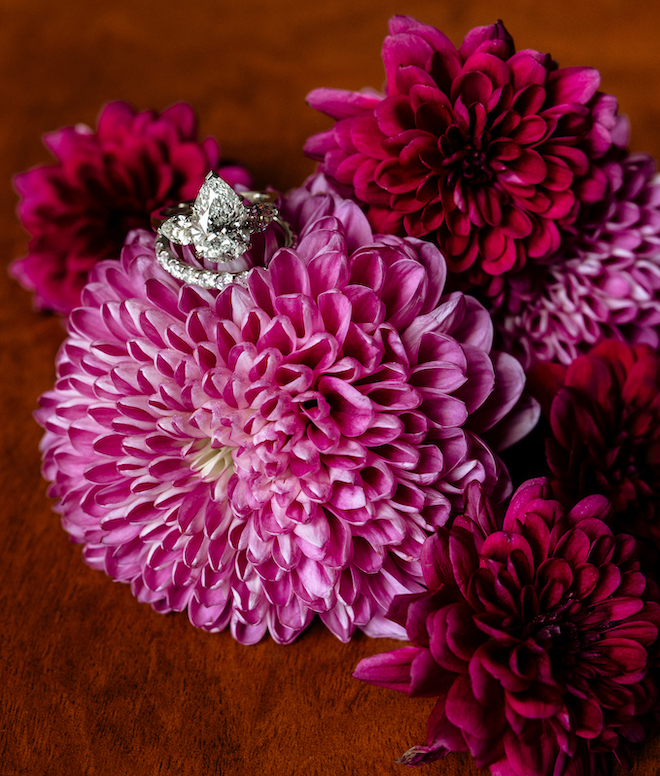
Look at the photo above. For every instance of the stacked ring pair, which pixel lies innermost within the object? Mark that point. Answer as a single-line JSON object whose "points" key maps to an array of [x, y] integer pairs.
{"points": [[219, 226]]}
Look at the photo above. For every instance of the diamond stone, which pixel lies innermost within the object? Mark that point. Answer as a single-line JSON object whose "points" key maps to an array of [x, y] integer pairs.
{"points": [[219, 224], [177, 229]]}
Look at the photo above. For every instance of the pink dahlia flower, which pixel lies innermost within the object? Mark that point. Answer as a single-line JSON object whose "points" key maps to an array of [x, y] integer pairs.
{"points": [[604, 412], [485, 150], [105, 183], [262, 454], [604, 282], [538, 636]]}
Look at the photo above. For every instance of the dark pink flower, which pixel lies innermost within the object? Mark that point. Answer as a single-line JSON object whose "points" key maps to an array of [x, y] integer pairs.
{"points": [[538, 636], [488, 151], [603, 282], [262, 454], [105, 183], [604, 411]]}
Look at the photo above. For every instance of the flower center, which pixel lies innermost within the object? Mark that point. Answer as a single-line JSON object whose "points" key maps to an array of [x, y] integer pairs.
{"points": [[563, 636], [558, 633], [466, 158], [212, 463]]}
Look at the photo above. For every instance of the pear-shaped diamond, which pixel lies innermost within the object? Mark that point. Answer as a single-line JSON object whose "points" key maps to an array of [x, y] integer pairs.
{"points": [[219, 224]]}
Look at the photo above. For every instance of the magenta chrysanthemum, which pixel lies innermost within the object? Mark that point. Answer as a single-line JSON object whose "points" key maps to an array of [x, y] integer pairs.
{"points": [[486, 150], [105, 183], [261, 454], [539, 638], [604, 282], [604, 412]]}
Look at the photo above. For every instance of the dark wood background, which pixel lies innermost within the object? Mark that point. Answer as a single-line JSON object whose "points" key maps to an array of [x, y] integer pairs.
{"points": [[92, 682]]}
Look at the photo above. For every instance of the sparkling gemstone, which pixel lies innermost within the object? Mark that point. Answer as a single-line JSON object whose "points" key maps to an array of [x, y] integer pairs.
{"points": [[177, 229], [219, 224]]}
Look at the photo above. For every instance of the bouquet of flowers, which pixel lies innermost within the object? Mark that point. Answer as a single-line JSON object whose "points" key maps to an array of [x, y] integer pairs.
{"points": [[417, 396]]}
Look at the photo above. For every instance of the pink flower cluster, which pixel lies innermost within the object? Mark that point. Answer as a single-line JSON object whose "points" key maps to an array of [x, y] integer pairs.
{"points": [[323, 437]]}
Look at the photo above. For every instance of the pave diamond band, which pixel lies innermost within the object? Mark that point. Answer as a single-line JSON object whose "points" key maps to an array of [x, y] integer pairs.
{"points": [[206, 278], [219, 226]]}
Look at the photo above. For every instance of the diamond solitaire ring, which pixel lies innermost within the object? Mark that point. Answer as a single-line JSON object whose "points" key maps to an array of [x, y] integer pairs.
{"points": [[219, 226]]}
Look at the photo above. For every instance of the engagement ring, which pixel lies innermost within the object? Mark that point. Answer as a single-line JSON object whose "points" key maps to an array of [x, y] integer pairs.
{"points": [[219, 226]]}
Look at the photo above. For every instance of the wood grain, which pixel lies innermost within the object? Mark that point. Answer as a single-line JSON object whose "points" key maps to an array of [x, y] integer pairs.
{"points": [[93, 682]]}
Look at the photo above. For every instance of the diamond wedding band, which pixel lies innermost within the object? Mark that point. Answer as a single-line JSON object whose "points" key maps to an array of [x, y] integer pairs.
{"points": [[219, 227]]}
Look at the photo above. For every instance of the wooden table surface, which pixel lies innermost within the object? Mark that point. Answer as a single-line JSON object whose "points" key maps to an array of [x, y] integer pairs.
{"points": [[91, 681]]}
